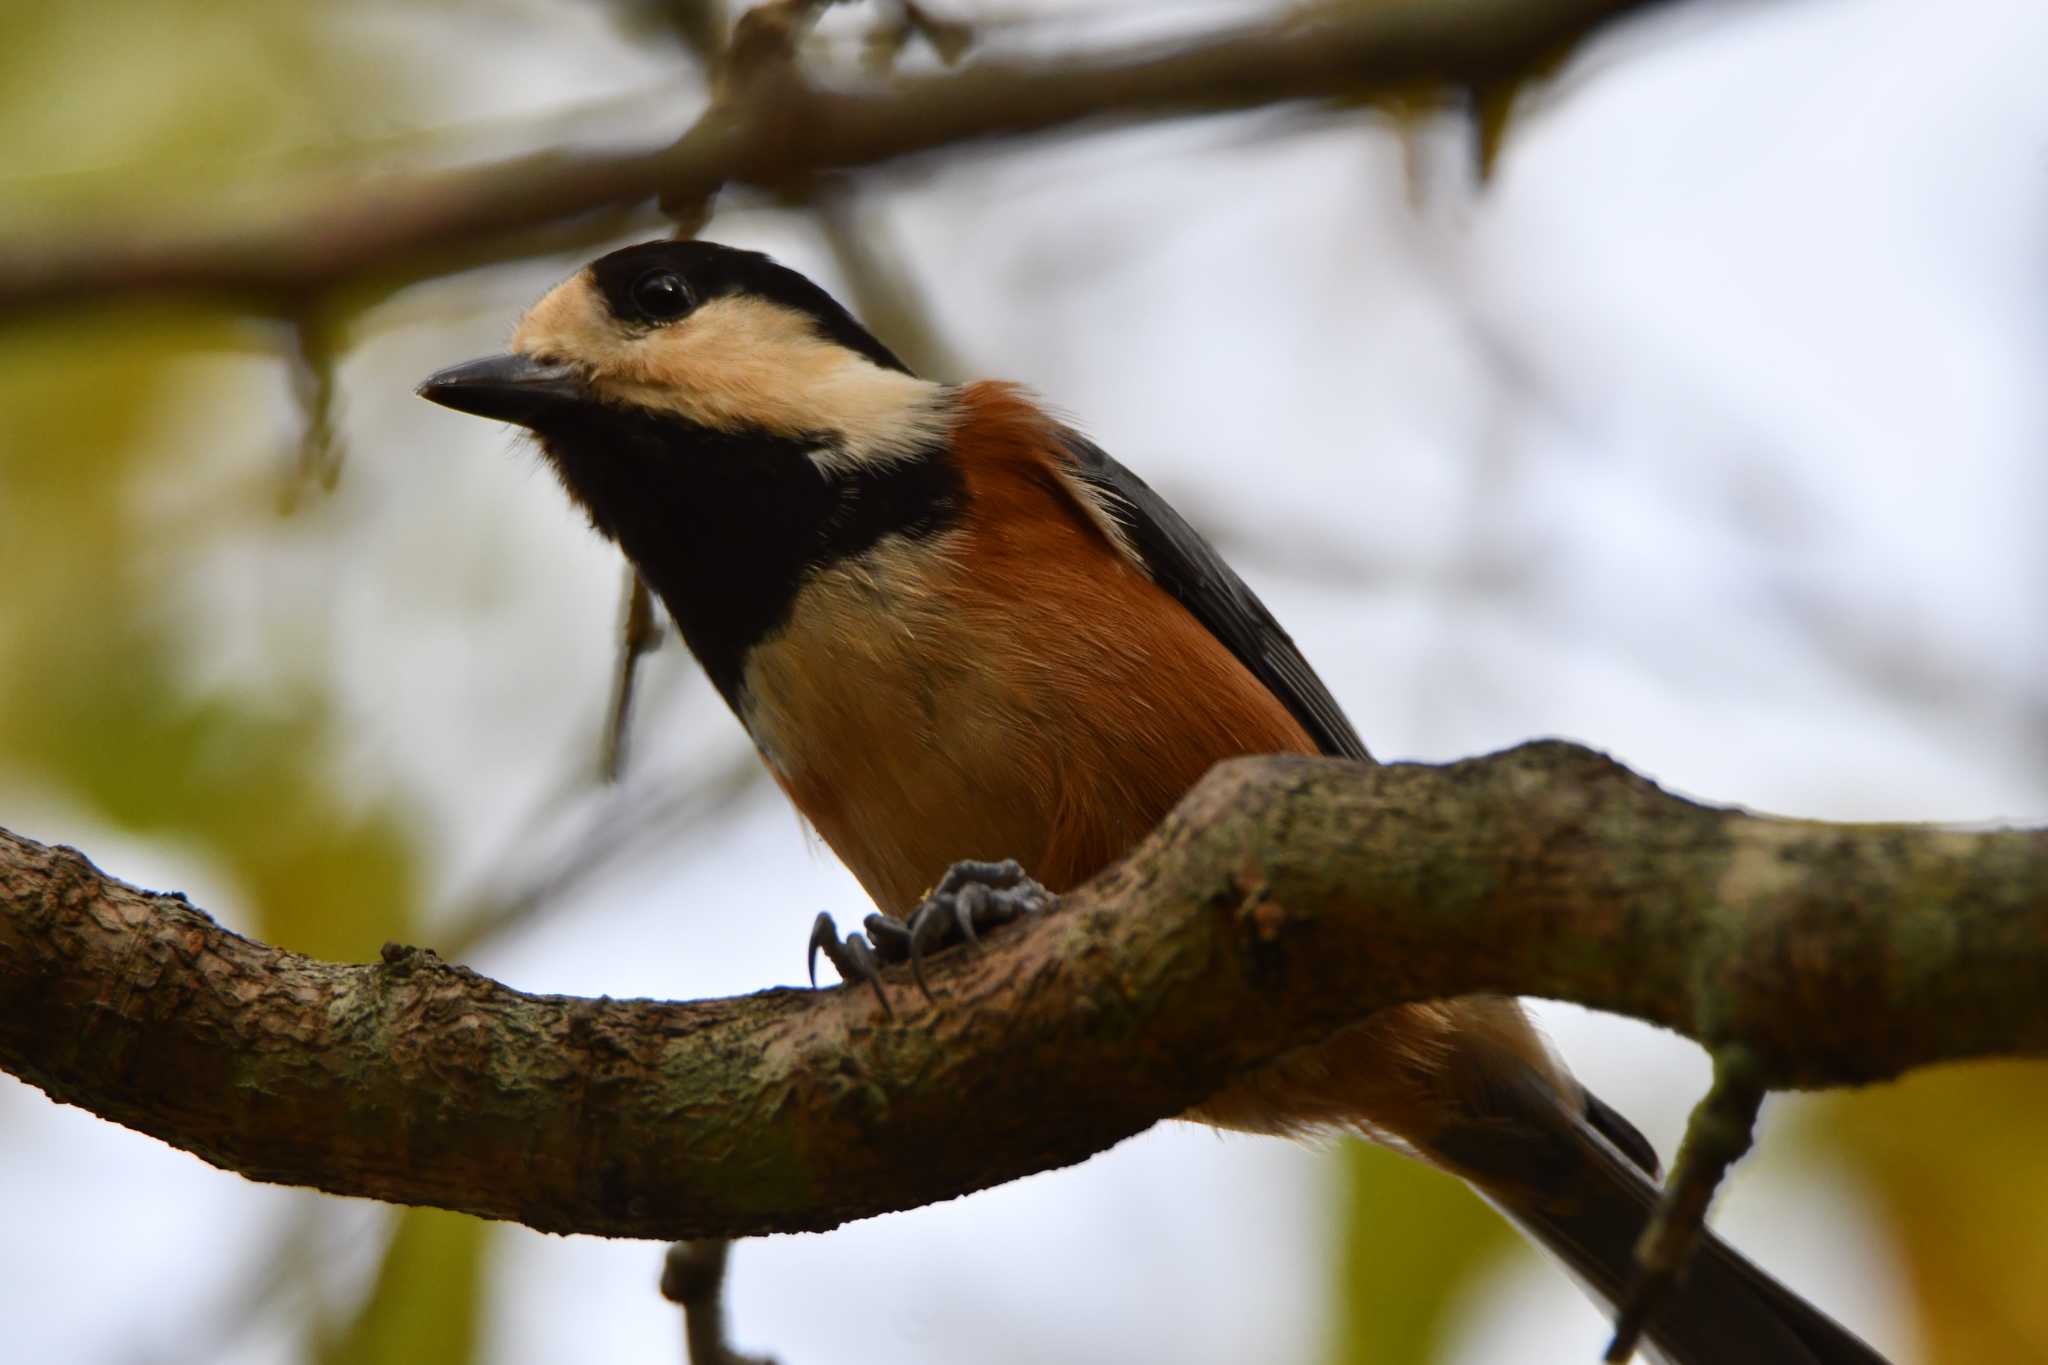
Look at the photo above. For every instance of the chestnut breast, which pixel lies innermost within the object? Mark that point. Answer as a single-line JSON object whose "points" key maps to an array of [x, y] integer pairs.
{"points": [[1012, 687]]}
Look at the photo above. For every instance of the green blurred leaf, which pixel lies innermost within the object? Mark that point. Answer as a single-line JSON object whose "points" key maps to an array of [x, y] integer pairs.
{"points": [[1415, 1242], [174, 107], [132, 472], [96, 704], [426, 1304]]}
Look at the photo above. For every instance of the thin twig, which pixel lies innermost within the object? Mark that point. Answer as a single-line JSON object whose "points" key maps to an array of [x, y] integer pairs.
{"points": [[614, 832], [312, 350], [693, 1278], [881, 290], [1722, 1127], [949, 39], [639, 636]]}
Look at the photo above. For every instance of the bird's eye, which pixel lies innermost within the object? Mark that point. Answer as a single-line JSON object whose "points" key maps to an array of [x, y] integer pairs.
{"points": [[661, 296]]}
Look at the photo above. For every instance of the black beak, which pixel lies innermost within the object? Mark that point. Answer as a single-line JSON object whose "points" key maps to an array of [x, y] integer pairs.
{"points": [[510, 388]]}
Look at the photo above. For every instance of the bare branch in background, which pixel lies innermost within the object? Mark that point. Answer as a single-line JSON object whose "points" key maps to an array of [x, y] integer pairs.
{"points": [[612, 834], [1282, 900], [880, 286], [313, 350], [776, 131], [639, 635], [948, 38], [1920, 672]]}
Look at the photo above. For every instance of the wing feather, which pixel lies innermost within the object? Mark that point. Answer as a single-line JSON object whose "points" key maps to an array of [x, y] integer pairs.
{"points": [[1188, 567]]}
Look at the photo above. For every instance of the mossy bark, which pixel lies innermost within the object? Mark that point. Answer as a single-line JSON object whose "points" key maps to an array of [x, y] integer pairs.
{"points": [[1284, 899]]}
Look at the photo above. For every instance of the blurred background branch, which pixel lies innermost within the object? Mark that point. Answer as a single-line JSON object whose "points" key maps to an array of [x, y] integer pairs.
{"points": [[693, 1279], [774, 128]]}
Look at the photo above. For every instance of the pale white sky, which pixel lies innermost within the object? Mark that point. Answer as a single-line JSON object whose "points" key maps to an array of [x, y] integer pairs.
{"points": [[1711, 434]]}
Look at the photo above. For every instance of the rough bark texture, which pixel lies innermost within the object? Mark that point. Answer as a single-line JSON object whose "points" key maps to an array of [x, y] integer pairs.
{"points": [[1284, 899]]}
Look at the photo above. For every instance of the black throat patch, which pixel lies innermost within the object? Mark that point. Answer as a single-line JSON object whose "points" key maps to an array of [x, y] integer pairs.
{"points": [[727, 526]]}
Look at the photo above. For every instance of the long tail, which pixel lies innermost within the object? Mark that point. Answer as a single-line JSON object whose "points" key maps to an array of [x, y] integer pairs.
{"points": [[1581, 1185]]}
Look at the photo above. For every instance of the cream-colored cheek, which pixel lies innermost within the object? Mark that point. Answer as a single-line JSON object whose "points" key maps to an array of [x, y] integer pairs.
{"points": [[741, 362], [571, 324]]}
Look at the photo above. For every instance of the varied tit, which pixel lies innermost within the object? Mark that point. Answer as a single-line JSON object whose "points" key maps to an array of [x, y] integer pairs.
{"points": [[957, 629]]}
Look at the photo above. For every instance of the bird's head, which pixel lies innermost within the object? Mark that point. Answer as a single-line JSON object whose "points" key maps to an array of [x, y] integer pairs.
{"points": [[724, 420], [717, 339]]}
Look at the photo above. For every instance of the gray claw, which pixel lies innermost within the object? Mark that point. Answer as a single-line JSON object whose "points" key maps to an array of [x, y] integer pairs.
{"points": [[824, 934], [865, 966], [969, 901], [927, 927], [854, 959]]}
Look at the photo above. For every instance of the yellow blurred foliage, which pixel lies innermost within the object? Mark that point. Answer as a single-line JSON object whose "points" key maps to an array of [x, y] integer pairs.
{"points": [[1956, 1160], [102, 700], [427, 1303], [1415, 1243]]}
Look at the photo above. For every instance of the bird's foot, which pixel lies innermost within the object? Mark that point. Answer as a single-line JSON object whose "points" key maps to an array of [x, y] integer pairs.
{"points": [[971, 899]]}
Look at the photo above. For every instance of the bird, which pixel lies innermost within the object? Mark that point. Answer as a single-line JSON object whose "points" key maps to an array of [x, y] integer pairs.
{"points": [[982, 658]]}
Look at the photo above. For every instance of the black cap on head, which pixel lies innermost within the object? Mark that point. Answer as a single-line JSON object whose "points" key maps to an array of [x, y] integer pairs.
{"points": [[632, 284]]}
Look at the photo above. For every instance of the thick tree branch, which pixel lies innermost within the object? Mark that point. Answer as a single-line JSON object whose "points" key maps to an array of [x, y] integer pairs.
{"points": [[1284, 899], [771, 128]]}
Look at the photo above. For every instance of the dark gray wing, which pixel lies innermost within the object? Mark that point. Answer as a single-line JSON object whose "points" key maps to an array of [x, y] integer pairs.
{"points": [[1189, 568]]}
